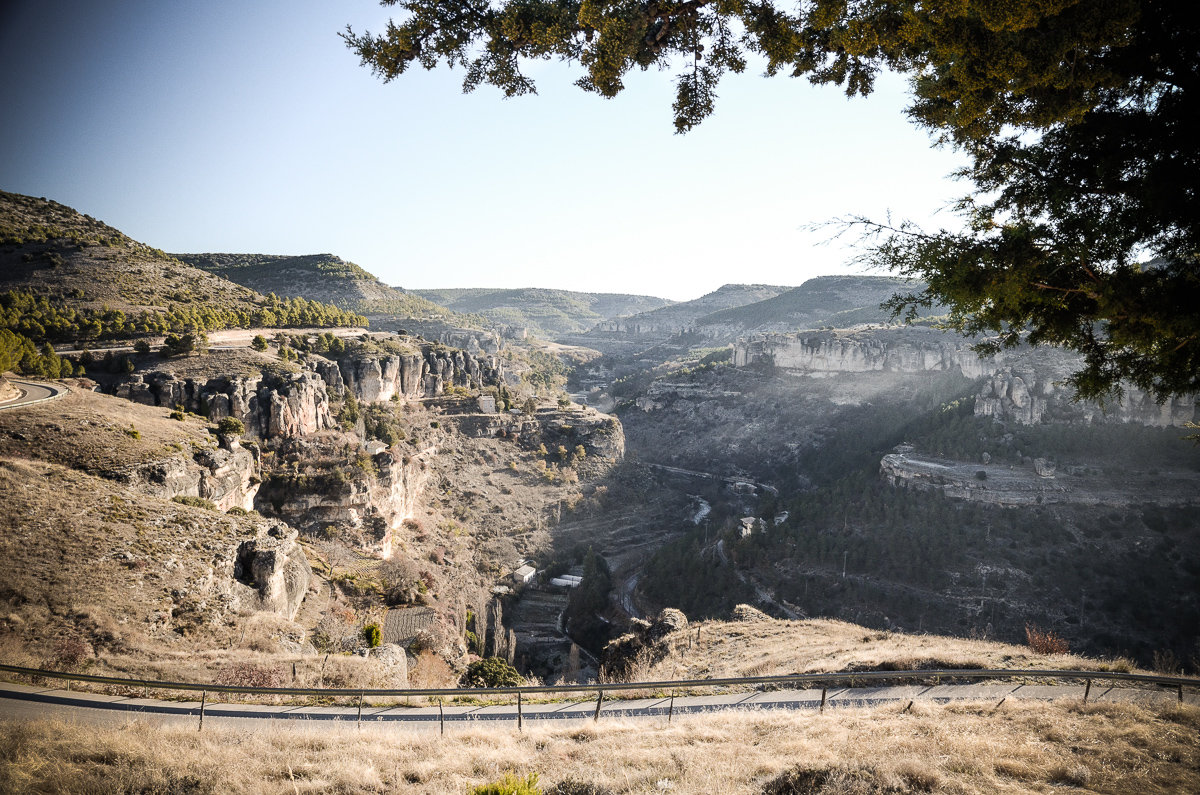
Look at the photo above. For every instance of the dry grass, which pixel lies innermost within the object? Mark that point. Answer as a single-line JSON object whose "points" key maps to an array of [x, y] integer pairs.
{"points": [[768, 647], [960, 748]]}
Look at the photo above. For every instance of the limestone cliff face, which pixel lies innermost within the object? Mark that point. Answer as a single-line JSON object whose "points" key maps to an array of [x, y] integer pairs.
{"points": [[228, 476], [817, 353], [375, 379], [1024, 385], [371, 505], [274, 567], [296, 404], [1029, 395]]}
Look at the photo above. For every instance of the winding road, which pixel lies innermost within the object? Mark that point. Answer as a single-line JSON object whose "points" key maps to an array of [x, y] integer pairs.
{"points": [[32, 392]]}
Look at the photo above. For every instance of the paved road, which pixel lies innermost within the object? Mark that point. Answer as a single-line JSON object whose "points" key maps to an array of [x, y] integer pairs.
{"points": [[21, 702], [32, 392]]}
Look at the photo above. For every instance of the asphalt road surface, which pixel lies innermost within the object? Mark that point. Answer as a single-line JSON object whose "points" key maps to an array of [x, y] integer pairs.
{"points": [[31, 392], [22, 702]]}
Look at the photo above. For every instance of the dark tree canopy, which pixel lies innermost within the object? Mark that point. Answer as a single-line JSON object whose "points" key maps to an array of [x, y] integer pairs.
{"points": [[1078, 117]]}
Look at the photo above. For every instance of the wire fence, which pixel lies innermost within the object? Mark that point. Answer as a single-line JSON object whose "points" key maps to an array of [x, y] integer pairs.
{"points": [[849, 678]]}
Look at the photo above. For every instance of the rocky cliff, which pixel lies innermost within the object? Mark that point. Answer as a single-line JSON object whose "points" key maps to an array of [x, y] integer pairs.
{"points": [[875, 348], [228, 476], [371, 503], [377, 378], [270, 406], [1024, 385]]}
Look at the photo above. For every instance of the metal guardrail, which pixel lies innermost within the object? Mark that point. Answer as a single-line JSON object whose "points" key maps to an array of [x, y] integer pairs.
{"points": [[1178, 682]]}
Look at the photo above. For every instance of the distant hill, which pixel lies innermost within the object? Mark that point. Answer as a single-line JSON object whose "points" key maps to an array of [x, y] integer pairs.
{"points": [[67, 276], [317, 277], [544, 313], [836, 301], [658, 325]]}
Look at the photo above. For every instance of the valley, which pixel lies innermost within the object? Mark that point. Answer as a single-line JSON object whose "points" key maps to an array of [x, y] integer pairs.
{"points": [[259, 496]]}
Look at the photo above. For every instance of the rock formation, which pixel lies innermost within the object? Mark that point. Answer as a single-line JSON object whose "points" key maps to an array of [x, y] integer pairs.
{"points": [[228, 476], [273, 564], [645, 644]]}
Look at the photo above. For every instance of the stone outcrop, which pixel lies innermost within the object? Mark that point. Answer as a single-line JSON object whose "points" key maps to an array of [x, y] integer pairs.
{"points": [[1024, 385], [1033, 392], [373, 506], [645, 643], [274, 566], [1037, 482], [228, 476], [378, 378], [271, 407], [888, 349]]}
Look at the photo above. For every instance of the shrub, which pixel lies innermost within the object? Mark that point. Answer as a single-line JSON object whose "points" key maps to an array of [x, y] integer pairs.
{"points": [[142, 347], [69, 654], [1044, 641], [510, 785], [231, 426], [373, 635], [259, 343], [177, 415], [491, 672], [133, 433]]}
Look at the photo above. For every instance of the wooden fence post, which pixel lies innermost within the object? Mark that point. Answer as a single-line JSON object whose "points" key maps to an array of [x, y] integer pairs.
{"points": [[441, 717], [520, 721], [203, 698], [824, 690], [599, 701], [671, 708], [1087, 691], [360, 700]]}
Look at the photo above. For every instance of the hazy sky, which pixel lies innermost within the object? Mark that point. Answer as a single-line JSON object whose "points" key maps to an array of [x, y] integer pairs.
{"points": [[249, 127]]}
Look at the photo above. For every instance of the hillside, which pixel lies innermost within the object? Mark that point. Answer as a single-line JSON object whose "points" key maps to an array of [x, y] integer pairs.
{"points": [[837, 301], [65, 276], [645, 329], [317, 277], [543, 313]]}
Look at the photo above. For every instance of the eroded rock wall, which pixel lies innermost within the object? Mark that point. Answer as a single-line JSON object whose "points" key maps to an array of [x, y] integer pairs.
{"points": [[379, 378], [296, 404], [229, 476]]}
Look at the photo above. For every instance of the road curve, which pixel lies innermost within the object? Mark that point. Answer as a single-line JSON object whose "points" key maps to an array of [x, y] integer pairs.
{"points": [[22, 703], [32, 392]]}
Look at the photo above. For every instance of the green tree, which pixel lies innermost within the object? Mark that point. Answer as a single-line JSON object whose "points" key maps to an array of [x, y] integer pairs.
{"points": [[231, 426], [259, 343], [491, 672], [1082, 227]]}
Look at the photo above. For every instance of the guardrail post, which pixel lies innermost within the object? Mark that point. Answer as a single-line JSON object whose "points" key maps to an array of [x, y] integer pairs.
{"points": [[824, 690], [441, 718], [520, 721], [599, 701], [203, 698], [671, 708], [1087, 691]]}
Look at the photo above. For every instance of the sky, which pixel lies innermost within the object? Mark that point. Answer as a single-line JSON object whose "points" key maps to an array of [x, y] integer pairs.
{"points": [[250, 127]]}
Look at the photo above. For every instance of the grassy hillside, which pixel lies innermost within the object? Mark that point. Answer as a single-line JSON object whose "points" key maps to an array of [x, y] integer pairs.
{"points": [[545, 313], [318, 277], [65, 276]]}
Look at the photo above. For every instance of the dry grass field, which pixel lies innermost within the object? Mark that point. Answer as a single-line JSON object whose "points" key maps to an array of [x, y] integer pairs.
{"points": [[959, 748], [762, 646]]}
